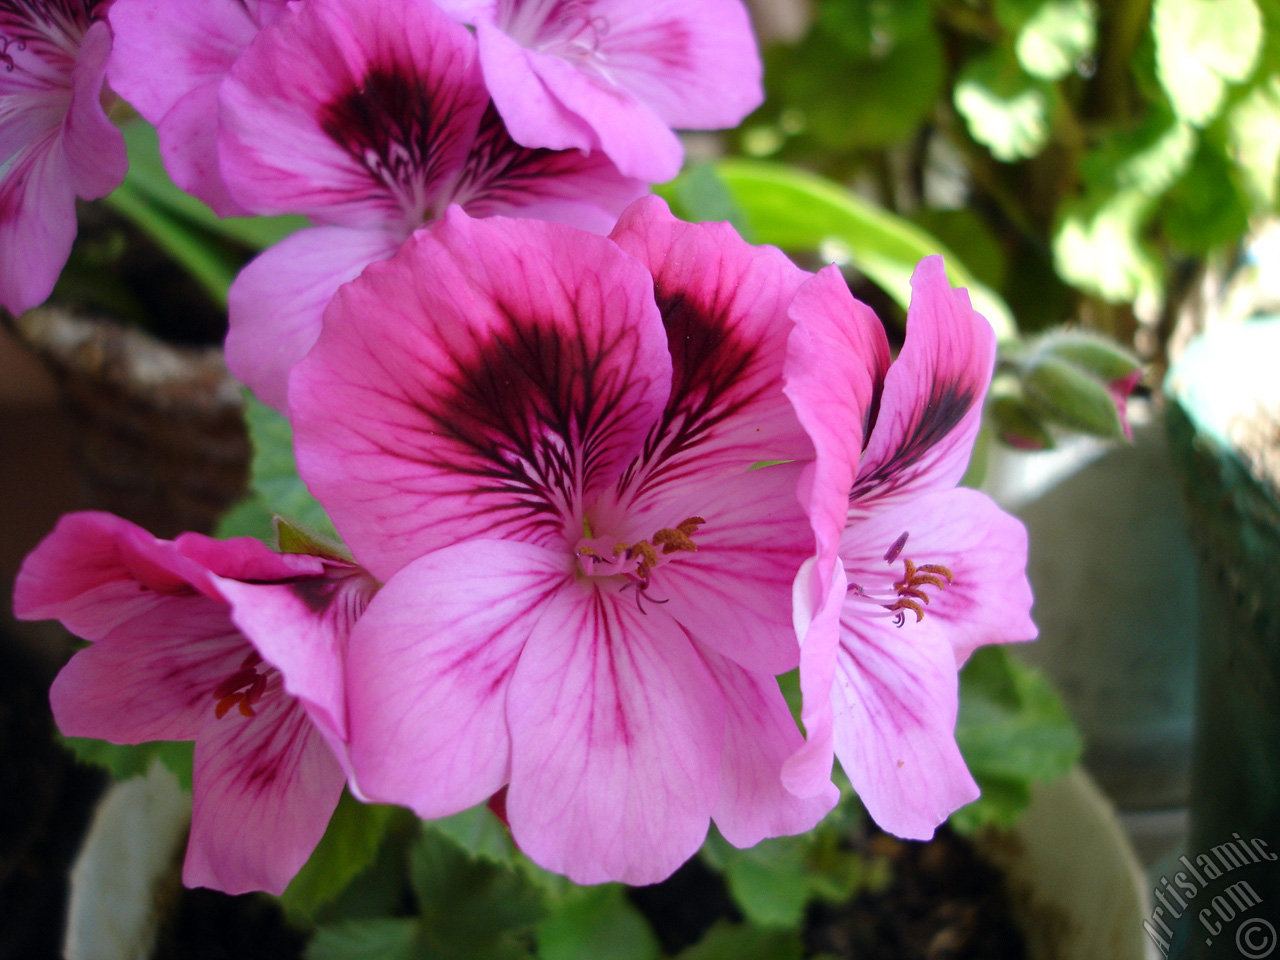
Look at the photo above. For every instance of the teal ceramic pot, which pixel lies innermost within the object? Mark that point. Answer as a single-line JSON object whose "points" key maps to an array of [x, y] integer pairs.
{"points": [[1227, 390]]}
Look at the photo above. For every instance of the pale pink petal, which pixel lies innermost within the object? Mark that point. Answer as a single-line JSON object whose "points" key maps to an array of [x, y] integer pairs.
{"points": [[353, 113], [837, 357], [152, 678], [724, 305], [695, 64], [546, 101], [895, 700], [94, 146], [276, 305], [932, 403], [301, 628], [984, 549], [170, 57], [734, 593], [759, 736], [429, 667], [808, 771], [37, 224], [265, 788], [617, 729], [480, 383], [563, 186]]}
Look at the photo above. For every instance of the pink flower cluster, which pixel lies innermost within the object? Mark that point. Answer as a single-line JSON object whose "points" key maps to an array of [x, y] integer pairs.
{"points": [[602, 478]]}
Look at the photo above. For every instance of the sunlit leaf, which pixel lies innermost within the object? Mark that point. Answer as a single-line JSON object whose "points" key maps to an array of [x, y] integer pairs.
{"points": [[1201, 46], [1005, 110], [1056, 38]]}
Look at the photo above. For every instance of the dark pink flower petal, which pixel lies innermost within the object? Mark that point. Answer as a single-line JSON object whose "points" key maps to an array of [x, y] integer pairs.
{"points": [[837, 357], [616, 76], [55, 140], [617, 729], [265, 788], [302, 629], [895, 706], [480, 383], [561, 186], [430, 666], [724, 305], [352, 112], [276, 305], [170, 57], [985, 599], [734, 592], [759, 736], [932, 403]]}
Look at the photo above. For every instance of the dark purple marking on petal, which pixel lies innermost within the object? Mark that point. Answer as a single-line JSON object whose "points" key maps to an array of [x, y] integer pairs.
{"points": [[398, 129], [534, 412], [710, 361], [942, 414]]}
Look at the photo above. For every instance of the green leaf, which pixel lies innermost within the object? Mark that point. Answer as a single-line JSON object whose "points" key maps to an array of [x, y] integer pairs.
{"points": [[769, 882], [1005, 110], [124, 761], [348, 846], [1012, 730], [726, 941], [481, 834], [248, 518], [1208, 209], [800, 211], [1201, 46], [471, 907], [384, 938], [274, 472], [597, 923], [1101, 251], [1095, 354], [1056, 38], [700, 196], [1255, 135]]}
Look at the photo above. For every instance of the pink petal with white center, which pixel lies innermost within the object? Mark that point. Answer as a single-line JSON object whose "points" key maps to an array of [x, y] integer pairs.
{"points": [[808, 771], [617, 729], [37, 224], [429, 667], [759, 736], [94, 146], [170, 58], [354, 113], [548, 102], [483, 382], [96, 571], [276, 305], [895, 699], [724, 305], [152, 678], [265, 788], [695, 64], [733, 593], [985, 550], [932, 403], [302, 628], [837, 356], [562, 186]]}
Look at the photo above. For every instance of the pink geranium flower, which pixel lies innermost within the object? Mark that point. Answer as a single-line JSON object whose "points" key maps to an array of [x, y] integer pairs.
{"points": [[616, 75], [371, 117], [56, 142], [221, 642], [170, 58], [912, 574], [543, 439]]}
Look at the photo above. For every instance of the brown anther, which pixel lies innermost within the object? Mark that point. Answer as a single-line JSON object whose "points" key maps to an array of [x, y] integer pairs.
{"points": [[239, 679], [672, 540], [922, 578], [585, 551], [225, 704], [938, 569], [905, 591], [690, 527], [904, 604], [644, 549], [245, 709], [251, 661]]}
